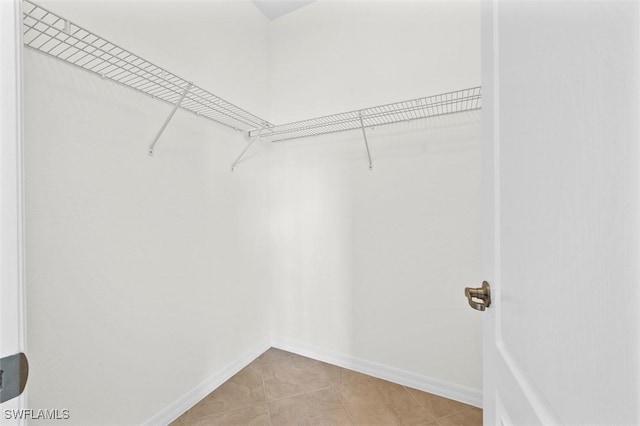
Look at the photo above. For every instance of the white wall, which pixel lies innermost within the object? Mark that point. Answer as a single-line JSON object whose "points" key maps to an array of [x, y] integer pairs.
{"points": [[336, 56], [372, 264], [145, 275]]}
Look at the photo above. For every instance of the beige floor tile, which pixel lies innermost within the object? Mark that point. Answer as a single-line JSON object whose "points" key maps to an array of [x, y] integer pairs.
{"points": [[406, 409], [284, 377], [256, 415], [365, 406], [273, 354], [467, 417], [376, 402], [436, 405], [342, 376], [317, 408], [281, 388], [242, 390]]}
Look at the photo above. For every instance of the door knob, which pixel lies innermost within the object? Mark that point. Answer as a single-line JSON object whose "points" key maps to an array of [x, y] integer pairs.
{"points": [[479, 298]]}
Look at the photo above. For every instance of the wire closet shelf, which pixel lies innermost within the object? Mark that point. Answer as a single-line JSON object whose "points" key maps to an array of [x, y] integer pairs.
{"points": [[426, 107], [49, 33]]}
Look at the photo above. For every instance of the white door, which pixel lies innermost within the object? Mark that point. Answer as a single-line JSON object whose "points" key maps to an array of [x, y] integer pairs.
{"points": [[11, 297], [561, 116]]}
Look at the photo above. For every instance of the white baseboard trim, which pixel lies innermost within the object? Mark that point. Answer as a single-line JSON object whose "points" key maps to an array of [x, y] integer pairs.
{"points": [[435, 386], [191, 398]]}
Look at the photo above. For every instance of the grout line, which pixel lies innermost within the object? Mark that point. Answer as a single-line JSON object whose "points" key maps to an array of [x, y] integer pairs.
{"points": [[232, 411], [264, 388], [344, 405], [420, 403], [243, 407], [432, 415], [302, 393], [451, 414]]}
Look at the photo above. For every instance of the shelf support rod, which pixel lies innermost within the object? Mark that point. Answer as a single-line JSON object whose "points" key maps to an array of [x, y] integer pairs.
{"points": [[366, 144], [253, 139], [166, 122]]}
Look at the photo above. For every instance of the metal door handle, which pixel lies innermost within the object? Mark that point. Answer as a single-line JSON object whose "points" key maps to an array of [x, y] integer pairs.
{"points": [[482, 296]]}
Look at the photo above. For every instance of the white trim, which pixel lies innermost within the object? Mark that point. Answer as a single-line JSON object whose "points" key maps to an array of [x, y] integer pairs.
{"points": [[497, 249], [12, 292], [191, 398], [406, 378]]}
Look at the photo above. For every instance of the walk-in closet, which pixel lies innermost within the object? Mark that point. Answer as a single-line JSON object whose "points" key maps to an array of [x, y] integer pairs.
{"points": [[331, 212]]}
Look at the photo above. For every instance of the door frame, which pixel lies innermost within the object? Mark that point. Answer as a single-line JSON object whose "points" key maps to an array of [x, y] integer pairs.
{"points": [[490, 198], [12, 289]]}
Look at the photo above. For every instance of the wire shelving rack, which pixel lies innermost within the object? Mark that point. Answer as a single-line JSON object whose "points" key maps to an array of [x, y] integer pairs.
{"points": [[426, 107], [51, 34], [56, 36]]}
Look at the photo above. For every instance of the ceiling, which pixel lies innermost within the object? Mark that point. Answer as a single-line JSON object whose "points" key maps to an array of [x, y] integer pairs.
{"points": [[273, 9]]}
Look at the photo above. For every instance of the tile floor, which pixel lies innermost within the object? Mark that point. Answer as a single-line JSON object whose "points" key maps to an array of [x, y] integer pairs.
{"points": [[281, 388]]}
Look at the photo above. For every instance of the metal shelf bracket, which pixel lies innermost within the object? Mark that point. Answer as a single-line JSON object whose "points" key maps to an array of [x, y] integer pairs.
{"points": [[173, 111], [252, 139], [366, 144]]}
